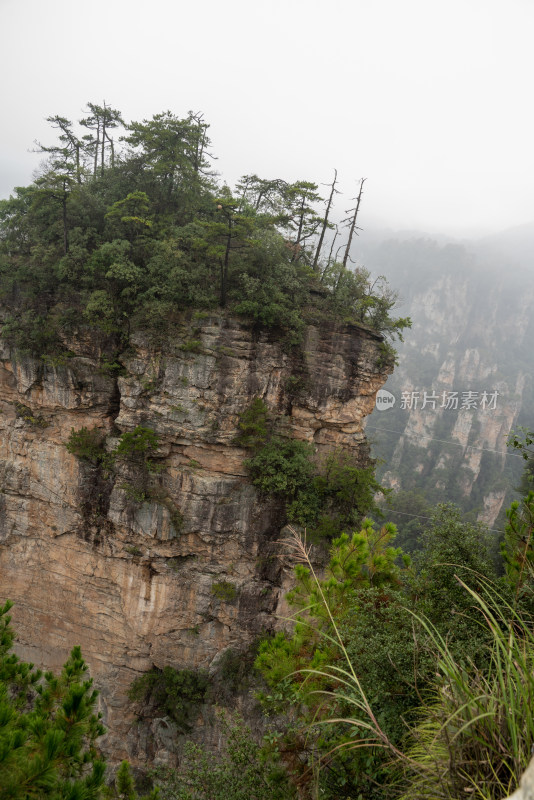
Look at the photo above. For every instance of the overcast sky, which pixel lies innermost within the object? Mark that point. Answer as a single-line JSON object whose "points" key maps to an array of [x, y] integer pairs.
{"points": [[430, 100]]}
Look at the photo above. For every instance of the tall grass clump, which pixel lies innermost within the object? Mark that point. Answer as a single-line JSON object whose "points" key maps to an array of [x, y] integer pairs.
{"points": [[473, 733]]}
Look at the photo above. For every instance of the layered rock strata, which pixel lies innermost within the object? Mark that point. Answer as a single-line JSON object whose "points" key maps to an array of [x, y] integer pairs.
{"points": [[134, 574]]}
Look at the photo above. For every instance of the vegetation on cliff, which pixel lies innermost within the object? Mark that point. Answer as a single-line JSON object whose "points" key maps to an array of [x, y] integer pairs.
{"points": [[401, 677], [327, 497], [122, 237]]}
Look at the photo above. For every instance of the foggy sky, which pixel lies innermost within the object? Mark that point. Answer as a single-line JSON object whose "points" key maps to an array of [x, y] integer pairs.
{"points": [[430, 100]]}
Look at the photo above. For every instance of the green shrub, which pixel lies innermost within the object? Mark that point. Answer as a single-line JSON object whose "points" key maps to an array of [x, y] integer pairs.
{"points": [[346, 491], [111, 367], [138, 443], [517, 549], [327, 499], [134, 493], [25, 413], [191, 346], [282, 468], [87, 444], [253, 425], [57, 359], [234, 670], [246, 770], [224, 590], [296, 385], [32, 334], [175, 692]]}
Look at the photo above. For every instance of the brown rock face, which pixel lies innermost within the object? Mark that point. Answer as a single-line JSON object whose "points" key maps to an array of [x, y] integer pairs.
{"points": [[130, 574]]}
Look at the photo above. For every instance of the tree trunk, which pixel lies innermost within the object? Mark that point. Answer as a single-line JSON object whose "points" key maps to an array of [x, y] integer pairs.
{"points": [[112, 149], [299, 232], [353, 224], [325, 270], [325, 223], [97, 145], [224, 266], [103, 142], [78, 172], [65, 229]]}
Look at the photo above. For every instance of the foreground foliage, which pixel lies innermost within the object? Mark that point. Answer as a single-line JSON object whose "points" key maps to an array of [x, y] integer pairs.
{"points": [[48, 728], [475, 733], [410, 679], [400, 679]]}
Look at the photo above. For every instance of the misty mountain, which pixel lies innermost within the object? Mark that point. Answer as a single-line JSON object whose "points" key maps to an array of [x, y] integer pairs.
{"points": [[471, 304]]}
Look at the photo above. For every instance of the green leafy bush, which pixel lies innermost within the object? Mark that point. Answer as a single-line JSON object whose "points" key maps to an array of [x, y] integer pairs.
{"points": [[25, 413], [134, 493], [111, 367], [254, 425], [282, 467], [224, 590], [246, 770], [140, 441], [345, 490], [192, 346], [87, 444], [327, 498], [177, 693]]}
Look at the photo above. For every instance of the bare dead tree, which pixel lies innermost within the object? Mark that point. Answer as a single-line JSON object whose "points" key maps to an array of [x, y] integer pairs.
{"points": [[352, 223], [336, 234], [333, 191], [100, 119]]}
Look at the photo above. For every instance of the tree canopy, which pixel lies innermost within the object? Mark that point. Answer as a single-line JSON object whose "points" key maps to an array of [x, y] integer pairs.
{"points": [[129, 231]]}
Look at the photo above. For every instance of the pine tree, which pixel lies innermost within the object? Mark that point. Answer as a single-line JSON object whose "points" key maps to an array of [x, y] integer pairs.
{"points": [[48, 728]]}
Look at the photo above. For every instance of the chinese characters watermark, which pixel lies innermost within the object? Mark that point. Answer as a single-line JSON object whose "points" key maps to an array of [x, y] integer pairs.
{"points": [[446, 400]]}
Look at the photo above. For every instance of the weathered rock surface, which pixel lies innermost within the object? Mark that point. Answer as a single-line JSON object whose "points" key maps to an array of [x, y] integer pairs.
{"points": [[526, 786], [132, 582]]}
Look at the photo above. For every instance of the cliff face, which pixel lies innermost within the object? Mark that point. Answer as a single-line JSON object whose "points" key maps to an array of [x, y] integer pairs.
{"points": [[448, 341], [90, 559], [472, 332]]}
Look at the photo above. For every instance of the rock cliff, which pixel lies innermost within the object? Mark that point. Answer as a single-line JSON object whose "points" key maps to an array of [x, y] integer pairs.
{"points": [[471, 336], [89, 559]]}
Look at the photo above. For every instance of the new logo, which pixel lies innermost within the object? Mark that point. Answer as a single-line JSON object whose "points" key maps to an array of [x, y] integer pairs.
{"points": [[384, 400]]}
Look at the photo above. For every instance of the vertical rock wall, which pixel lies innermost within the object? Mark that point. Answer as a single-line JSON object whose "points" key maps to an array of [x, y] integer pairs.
{"points": [[132, 577]]}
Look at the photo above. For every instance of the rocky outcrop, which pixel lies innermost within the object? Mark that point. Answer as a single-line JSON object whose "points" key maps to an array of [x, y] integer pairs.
{"points": [[469, 343], [134, 576]]}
